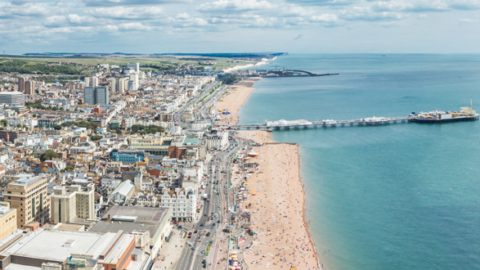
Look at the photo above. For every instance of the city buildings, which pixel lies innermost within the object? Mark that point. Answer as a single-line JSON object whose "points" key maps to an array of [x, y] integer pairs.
{"points": [[127, 156], [69, 204], [96, 95], [21, 84], [12, 98], [30, 87], [8, 220], [91, 81], [134, 66], [29, 196]]}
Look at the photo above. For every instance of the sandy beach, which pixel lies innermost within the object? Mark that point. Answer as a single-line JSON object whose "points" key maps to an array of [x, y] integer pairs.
{"points": [[234, 99], [277, 209]]}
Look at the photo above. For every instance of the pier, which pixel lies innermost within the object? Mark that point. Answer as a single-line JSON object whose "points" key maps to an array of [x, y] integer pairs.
{"points": [[288, 73], [301, 124]]}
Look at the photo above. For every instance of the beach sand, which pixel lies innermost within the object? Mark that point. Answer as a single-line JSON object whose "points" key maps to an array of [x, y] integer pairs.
{"points": [[234, 99], [277, 210]]}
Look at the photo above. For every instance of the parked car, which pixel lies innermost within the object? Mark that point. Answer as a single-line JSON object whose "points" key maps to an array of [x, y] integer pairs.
{"points": [[208, 234], [201, 224]]}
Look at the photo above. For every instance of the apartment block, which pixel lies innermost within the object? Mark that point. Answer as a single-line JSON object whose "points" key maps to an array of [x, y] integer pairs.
{"points": [[8, 220], [73, 203], [29, 196]]}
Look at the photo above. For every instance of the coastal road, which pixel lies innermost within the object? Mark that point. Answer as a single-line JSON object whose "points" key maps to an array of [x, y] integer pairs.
{"points": [[192, 258]]}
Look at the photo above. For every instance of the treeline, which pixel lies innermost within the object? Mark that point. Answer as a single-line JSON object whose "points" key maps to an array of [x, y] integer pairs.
{"points": [[159, 67], [26, 67], [88, 124], [147, 129]]}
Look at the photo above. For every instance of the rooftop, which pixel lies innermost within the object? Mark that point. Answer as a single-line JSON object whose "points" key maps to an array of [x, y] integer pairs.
{"points": [[146, 219], [27, 181]]}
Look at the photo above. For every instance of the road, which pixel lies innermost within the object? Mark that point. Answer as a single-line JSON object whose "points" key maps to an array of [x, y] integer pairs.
{"points": [[221, 161]]}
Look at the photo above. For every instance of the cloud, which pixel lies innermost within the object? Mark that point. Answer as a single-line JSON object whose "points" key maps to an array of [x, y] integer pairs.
{"points": [[126, 13], [414, 6], [112, 3], [68, 20], [465, 4], [298, 37], [422, 16], [235, 6], [23, 2], [322, 2], [466, 21], [367, 14], [28, 10]]}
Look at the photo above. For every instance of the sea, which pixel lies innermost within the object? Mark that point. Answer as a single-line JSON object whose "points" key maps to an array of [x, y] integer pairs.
{"points": [[399, 196]]}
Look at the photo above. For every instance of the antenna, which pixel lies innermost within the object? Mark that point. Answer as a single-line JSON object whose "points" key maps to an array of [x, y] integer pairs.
{"points": [[471, 102]]}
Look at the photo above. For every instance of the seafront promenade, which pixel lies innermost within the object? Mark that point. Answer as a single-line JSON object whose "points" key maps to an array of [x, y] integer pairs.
{"points": [[277, 208]]}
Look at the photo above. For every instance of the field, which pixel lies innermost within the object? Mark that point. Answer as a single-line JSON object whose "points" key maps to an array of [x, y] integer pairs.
{"points": [[147, 62]]}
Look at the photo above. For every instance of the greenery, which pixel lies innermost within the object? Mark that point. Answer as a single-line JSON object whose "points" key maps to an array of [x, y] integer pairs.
{"points": [[147, 129], [4, 122], [48, 155], [22, 66], [231, 80], [89, 125], [96, 137], [57, 127]]}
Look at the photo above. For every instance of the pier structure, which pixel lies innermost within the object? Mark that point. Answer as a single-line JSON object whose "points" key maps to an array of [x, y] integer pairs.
{"points": [[302, 124]]}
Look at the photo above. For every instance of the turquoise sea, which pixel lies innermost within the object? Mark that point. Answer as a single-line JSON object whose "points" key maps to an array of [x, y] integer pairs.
{"points": [[401, 196]]}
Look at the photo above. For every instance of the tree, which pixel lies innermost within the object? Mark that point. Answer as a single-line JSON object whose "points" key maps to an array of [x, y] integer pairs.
{"points": [[48, 155], [19, 125], [69, 168], [4, 122], [57, 127], [89, 119], [95, 137], [34, 115]]}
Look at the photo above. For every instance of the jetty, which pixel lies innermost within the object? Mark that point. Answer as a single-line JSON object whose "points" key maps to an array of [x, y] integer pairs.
{"points": [[303, 124], [287, 73]]}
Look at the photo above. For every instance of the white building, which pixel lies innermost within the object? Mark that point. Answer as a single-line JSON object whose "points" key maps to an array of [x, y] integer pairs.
{"points": [[122, 193], [72, 203], [183, 205], [216, 139]]}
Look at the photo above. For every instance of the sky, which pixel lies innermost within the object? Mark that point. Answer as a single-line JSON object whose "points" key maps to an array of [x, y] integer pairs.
{"points": [[203, 26]]}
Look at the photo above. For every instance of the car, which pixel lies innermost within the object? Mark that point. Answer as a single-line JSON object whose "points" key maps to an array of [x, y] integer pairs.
{"points": [[201, 224], [208, 234], [204, 261], [189, 236], [218, 221], [203, 251], [193, 248], [190, 233], [196, 231], [214, 224]]}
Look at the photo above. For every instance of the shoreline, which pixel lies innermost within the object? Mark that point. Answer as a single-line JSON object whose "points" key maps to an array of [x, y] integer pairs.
{"points": [[280, 155]]}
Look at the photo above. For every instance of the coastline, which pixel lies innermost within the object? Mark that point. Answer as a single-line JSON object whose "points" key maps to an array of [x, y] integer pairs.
{"points": [[278, 188]]}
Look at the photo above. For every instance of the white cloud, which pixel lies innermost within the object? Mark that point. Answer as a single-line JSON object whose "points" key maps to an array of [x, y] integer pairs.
{"points": [[126, 13], [235, 6], [422, 16], [367, 14], [411, 6], [467, 21]]}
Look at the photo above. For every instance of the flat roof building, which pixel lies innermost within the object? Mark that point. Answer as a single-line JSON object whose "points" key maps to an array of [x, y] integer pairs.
{"points": [[12, 98], [29, 196], [136, 218]]}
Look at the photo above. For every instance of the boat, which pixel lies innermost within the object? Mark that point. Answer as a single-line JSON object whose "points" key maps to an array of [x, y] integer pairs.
{"points": [[436, 116], [252, 154]]}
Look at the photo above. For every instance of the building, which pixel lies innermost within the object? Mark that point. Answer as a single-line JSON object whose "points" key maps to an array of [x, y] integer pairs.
{"points": [[11, 135], [122, 193], [96, 95], [127, 156], [63, 249], [157, 221], [12, 98], [8, 220], [30, 88], [72, 203], [121, 85], [131, 86], [134, 66], [216, 139], [91, 81], [21, 84], [113, 84], [29, 196], [183, 204]]}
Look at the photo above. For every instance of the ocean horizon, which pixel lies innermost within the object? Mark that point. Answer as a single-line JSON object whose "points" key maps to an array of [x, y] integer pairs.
{"points": [[399, 196]]}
